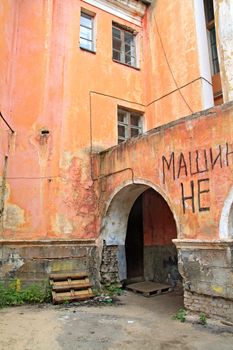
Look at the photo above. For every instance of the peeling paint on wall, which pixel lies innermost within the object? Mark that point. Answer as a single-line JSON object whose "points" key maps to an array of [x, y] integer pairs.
{"points": [[66, 160], [11, 264], [14, 217], [3, 193], [62, 225]]}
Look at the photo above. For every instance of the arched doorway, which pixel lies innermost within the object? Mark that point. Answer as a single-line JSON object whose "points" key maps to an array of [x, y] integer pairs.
{"points": [[137, 232], [150, 253], [134, 242]]}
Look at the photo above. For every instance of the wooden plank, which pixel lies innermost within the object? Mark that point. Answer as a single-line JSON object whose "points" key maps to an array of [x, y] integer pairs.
{"points": [[68, 296], [68, 286], [70, 282], [65, 276]]}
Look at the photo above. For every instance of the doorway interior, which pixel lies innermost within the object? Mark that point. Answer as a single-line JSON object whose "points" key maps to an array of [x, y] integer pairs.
{"points": [[150, 252]]}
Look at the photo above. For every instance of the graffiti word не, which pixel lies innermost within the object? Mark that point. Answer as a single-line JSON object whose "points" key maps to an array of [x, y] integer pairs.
{"points": [[200, 189], [195, 163]]}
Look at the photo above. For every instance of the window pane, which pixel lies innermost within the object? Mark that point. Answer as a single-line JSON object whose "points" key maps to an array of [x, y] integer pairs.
{"points": [[128, 50], [134, 119], [116, 44], [129, 38], [214, 50], [121, 116], [85, 44], [216, 66], [116, 33], [129, 44], [116, 55], [134, 132], [121, 131], [128, 60], [85, 33], [86, 20], [212, 36], [209, 10]]}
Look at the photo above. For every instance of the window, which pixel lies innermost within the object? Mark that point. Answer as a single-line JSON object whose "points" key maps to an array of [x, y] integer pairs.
{"points": [[210, 25], [87, 31], [214, 63], [123, 46], [213, 46], [129, 124]]}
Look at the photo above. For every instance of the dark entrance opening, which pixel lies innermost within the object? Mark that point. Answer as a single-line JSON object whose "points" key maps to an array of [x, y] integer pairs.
{"points": [[134, 242], [150, 252]]}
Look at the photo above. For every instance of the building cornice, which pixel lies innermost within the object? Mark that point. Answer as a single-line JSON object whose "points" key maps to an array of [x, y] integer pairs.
{"points": [[129, 10]]}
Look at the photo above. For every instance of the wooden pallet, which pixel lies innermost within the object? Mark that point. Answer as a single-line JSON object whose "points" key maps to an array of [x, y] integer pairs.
{"points": [[70, 287], [148, 289]]}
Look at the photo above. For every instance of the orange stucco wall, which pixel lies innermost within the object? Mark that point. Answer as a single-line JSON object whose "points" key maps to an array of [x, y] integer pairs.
{"points": [[48, 82], [189, 163], [172, 61]]}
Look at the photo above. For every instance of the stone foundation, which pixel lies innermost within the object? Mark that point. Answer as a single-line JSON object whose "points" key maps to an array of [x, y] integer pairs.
{"points": [[211, 306], [109, 265], [33, 261], [207, 271]]}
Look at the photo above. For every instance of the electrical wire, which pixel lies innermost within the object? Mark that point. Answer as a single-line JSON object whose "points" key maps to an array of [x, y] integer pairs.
{"points": [[6, 123], [170, 69]]}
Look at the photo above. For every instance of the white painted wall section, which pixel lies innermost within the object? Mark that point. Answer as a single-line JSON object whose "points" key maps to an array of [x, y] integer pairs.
{"points": [[226, 221], [203, 55]]}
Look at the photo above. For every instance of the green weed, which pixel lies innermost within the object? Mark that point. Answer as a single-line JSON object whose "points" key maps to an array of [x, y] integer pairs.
{"points": [[66, 301], [14, 294], [112, 290], [202, 318], [180, 315]]}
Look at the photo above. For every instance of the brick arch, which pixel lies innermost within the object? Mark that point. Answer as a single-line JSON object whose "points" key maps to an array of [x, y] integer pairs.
{"points": [[226, 220], [115, 219]]}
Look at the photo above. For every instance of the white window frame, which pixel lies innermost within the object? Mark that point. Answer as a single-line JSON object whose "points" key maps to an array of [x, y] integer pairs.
{"points": [[91, 16], [123, 31], [126, 123]]}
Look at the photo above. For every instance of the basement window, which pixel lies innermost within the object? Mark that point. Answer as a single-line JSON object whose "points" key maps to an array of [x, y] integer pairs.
{"points": [[87, 31], [129, 124], [123, 45]]}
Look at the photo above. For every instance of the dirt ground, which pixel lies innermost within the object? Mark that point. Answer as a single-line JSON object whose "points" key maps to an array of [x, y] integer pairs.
{"points": [[134, 322]]}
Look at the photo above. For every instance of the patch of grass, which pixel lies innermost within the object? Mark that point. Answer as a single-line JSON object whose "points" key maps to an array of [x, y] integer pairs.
{"points": [[112, 290], [180, 315], [66, 301], [203, 318], [13, 294]]}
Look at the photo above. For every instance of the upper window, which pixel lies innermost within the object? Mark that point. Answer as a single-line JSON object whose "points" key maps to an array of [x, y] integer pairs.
{"points": [[210, 25], [87, 32], [129, 124], [123, 45]]}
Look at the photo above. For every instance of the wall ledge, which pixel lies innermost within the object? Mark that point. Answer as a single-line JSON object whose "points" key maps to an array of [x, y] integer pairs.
{"points": [[194, 244], [53, 242]]}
